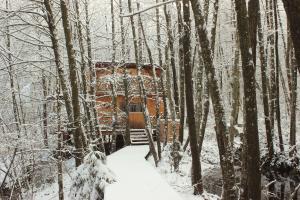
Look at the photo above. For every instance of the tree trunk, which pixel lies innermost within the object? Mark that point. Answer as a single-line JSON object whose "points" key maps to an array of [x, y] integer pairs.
{"points": [[206, 105], [59, 63], [246, 35], [157, 100], [172, 57], [126, 89], [263, 65], [143, 95], [271, 41], [79, 137], [293, 125], [162, 85], [277, 66], [148, 127], [114, 111], [96, 134], [181, 74], [196, 164], [83, 69], [221, 128], [59, 149], [45, 112], [292, 9]]}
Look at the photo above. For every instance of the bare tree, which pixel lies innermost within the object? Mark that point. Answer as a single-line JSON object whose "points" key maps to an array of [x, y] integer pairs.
{"points": [[172, 58], [250, 106], [196, 165], [229, 191], [292, 9], [79, 137]]}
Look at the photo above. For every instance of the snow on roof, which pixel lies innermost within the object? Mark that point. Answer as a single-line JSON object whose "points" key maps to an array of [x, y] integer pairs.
{"points": [[127, 65]]}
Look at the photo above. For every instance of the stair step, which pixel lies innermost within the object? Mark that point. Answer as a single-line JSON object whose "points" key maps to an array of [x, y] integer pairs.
{"points": [[138, 134], [137, 130], [139, 139], [140, 143]]}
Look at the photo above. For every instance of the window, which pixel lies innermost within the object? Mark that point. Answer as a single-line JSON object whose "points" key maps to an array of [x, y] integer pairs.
{"points": [[135, 107]]}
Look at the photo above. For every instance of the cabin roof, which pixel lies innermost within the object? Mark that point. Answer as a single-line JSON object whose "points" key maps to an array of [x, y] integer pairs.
{"points": [[127, 65]]}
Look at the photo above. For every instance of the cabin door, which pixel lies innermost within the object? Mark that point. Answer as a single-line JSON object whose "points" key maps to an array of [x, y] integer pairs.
{"points": [[136, 117]]}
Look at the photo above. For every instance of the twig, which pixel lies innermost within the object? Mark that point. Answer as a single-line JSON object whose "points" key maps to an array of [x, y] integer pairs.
{"points": [[148, 8]]}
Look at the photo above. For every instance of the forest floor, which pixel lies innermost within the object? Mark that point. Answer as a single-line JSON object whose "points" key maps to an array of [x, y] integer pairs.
{"points": [[136, 178], [180, 181]]}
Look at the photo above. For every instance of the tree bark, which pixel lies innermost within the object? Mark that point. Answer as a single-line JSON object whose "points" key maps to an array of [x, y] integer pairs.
{"points": [[126, 89], [277, 70], [83, 69], [155, 83], [181, 74], [172, 57], [96, 133], [292, 9], [45, 112], [59, 149], [263, 66], [246, 34], [79, 137], [225, 151], [196, 164]]}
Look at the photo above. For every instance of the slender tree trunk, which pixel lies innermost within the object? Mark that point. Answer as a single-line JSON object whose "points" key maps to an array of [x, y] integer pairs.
{"points": [[158, 35], [293, 126], [126, 89], [214, 29], [196, 164], [271, 40], [45, 112], [225, 150], [292, 9], [148, 127], [235, 85], [114, 111], [206, 10], [79, 137], [263, 65], [123, 52], [246, 35], [133, 31], [162, 85], [170, 96], [113, 32], [181, 74], [277, 66], [206, 105], [113, 81], [157, 101], [83, 69], [235, 81], [143, 95], [59, 64], [172, 57], [59, 149], [96, 135]]}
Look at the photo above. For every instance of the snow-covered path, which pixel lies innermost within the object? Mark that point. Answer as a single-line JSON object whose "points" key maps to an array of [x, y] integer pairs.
{"points": [[136, 178]]}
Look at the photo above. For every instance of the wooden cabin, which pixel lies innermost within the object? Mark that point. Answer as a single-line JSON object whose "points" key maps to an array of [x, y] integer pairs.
{"points": [[114, 74]]}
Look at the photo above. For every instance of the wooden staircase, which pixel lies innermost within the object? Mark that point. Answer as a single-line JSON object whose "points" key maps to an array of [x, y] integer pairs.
{"points": [[138, 137]]}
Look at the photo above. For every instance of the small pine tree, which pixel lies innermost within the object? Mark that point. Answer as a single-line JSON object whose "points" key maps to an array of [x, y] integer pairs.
{"points": [[91, 177]]}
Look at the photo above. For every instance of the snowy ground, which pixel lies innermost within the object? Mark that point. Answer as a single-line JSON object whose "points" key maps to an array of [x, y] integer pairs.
{"points": [[136, 178], [145, 176]]}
